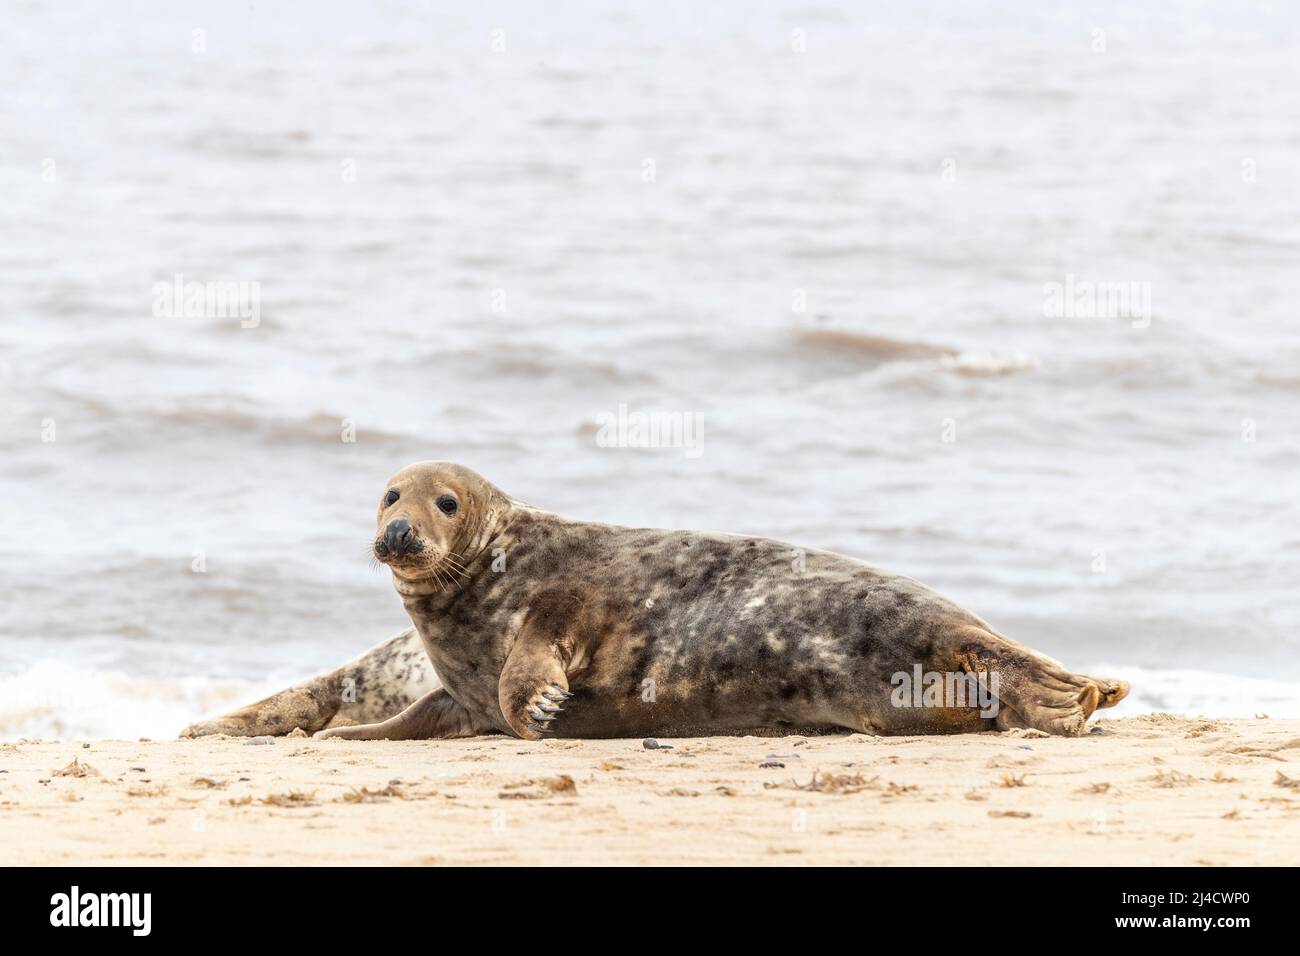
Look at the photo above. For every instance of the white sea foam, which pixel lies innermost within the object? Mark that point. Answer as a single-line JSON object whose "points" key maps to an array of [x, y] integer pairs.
{"points": [[1201, 693], [61, 700]]}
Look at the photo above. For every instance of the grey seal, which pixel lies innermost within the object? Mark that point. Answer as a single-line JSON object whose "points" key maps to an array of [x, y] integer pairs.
{"points": [[533, 624]]}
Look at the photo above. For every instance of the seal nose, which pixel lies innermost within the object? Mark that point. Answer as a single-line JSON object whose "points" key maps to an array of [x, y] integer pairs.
{"points": [[399, 536]]}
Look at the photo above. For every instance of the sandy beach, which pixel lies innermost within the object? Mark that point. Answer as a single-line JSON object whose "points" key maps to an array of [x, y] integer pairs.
{"points": [[1158, 789]]}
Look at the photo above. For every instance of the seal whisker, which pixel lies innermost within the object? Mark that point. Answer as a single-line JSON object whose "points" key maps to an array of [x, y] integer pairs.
{"points": [[455, 563], [449, 578], [456, 572]]}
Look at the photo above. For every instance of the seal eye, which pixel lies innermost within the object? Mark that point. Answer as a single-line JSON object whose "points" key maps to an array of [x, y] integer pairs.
{"points": [[391, 497], [446, 504]]}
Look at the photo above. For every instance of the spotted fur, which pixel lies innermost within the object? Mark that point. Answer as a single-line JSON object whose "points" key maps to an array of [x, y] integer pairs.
{"points": [[539, 624]]}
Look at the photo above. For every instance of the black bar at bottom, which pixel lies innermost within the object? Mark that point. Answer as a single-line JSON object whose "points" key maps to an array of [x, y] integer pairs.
{"points": [[335, 906]]}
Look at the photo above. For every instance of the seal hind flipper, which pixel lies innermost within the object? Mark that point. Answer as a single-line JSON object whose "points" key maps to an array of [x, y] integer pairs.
{"points": [[1033, 690], [379, 683], [1112, 690], [307, 707]]}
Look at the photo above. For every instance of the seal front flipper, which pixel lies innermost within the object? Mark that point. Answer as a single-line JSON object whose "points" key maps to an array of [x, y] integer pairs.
{"points": [[532, 691], [433, 715], [534, 683]]}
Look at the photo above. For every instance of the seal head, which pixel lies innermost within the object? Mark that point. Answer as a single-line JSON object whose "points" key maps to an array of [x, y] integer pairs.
{"points": [[434, 517]]}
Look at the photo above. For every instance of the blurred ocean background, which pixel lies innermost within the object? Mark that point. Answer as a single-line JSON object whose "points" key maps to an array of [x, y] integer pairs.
{"points": [[477, 227]]}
